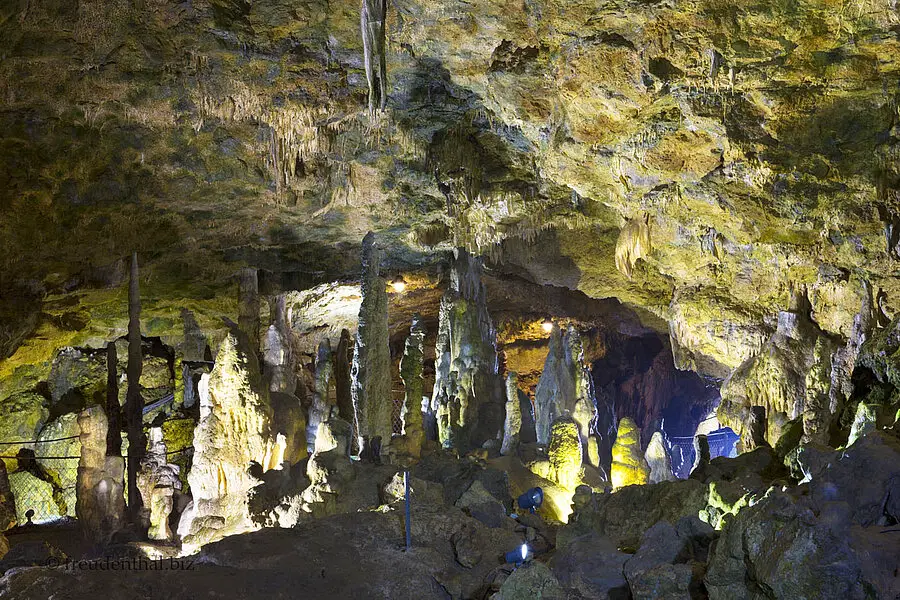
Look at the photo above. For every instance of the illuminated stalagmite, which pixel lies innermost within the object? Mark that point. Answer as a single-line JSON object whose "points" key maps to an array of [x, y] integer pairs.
{"points": [[100, 504], [235, 430], [629, 466], [468, 396], [371, 371], [565, 388]]}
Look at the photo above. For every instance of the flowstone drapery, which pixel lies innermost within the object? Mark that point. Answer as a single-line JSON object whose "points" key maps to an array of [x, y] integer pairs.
{"points": [[468, 396], [371, 371]]}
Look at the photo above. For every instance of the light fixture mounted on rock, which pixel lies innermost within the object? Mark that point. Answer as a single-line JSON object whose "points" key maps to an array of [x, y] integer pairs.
{"points": [[398, 285]]}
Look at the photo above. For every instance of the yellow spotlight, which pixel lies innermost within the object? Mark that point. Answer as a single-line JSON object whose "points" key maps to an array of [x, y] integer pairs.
{"points": [[398, 285], [547, 326]]}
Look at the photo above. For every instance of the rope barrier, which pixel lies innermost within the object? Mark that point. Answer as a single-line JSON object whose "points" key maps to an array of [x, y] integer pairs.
{"points": [[71, 437], [78, 457]]}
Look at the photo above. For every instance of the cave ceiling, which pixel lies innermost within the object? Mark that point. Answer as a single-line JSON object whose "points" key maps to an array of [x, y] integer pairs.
{"points": [[757, 141]]}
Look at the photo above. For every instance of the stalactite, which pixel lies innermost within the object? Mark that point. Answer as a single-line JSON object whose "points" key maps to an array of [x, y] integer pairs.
{"points": [[134, 403], [248, 304], [113, 410], [633, 243], [372, 17]]}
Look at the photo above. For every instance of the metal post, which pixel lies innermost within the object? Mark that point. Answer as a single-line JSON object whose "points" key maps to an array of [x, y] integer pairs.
{"points": [[406, 491]]}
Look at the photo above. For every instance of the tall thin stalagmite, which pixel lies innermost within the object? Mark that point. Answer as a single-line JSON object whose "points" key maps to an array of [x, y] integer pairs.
{"points": [[342, 360], [134, 404], [113, 411]]}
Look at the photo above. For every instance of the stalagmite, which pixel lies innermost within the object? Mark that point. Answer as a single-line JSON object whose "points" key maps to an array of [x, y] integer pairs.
{"points": [[513, 423], [334, 434], [100, 500], [372, 16], [629, 466], [134, 404], [277, 352], [371, 371], [565, 387], [113, 410], [468, 396], [411, 373], [657, 457], [248, 304], [701, 452], [565, 453], [235, 430], [158, 482], [320, 409], [756, 428], [343, 357], [7, 500]]}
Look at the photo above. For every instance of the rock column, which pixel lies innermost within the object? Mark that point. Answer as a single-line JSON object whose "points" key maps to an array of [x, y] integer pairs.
{"points": [[513, 422], [371, 370], [413, 383], [100, 488]]}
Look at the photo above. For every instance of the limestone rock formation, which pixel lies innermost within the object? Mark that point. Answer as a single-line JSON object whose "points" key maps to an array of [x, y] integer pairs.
{"points": [[7, 501], [413, 384], [468, 394], [158, 481], [592, 566], [370, 374], [513, 422], [101, 480], [565, 388], [248, 304], [343, 357], [278, 354], [320, 408], [789, 378], [658, 459], [629, 466], [234, 431], [791, 541]]}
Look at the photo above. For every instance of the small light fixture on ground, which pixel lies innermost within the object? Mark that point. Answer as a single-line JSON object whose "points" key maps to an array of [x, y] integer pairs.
{"points": [[547, 326], [532, 499], [398, 285], [518, 556]]}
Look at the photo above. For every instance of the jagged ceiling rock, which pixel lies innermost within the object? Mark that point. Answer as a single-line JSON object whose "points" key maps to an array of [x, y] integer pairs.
{"points": [[759, 142]]}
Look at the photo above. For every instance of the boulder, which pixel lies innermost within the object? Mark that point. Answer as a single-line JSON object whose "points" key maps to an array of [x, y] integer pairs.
{"points": [[532, 581], [625, 515], [593, 566]]}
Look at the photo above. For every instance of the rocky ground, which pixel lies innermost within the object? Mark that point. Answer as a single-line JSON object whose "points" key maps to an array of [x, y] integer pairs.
{"points": [[820, 524]]}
